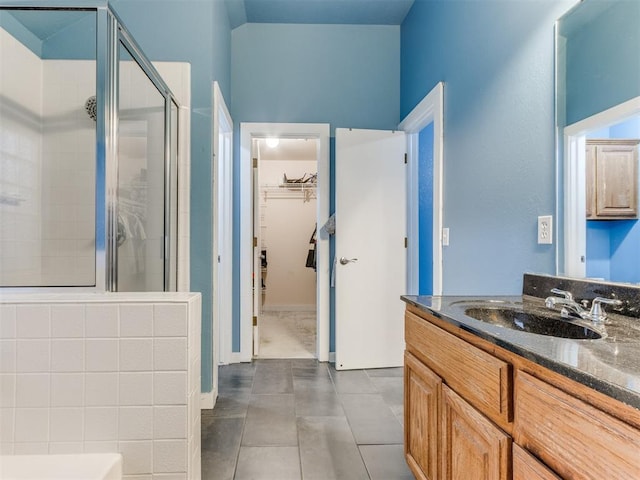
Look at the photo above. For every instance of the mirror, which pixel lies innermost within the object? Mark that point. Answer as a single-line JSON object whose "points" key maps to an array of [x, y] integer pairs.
{"points": [[598, 106]]}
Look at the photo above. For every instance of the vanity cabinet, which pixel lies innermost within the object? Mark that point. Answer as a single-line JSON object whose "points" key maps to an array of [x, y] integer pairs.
{"points": [[474, 410], [611, 179], [452, 389]]}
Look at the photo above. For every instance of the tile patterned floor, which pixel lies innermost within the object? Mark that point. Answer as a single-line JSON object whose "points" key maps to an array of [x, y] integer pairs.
{"points": [[298, 419]]}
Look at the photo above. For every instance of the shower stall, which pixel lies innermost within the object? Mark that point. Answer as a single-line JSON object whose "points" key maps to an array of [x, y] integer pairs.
{"points": [[88, 153]]}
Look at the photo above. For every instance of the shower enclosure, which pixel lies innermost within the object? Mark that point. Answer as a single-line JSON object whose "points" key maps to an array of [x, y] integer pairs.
{"points": [[88, 153]]}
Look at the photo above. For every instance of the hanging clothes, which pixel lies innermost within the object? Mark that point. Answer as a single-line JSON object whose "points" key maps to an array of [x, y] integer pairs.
{"points": [[311, 254]]}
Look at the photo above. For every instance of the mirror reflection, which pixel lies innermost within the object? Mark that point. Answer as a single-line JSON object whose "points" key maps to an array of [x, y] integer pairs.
{"points": [[598, 121]]}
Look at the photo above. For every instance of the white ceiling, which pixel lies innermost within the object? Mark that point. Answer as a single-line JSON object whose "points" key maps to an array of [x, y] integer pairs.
{"points": [[289, 149], [350, 12]]}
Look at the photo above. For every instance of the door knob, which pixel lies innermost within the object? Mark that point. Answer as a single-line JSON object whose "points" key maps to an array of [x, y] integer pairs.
{"points": [[344, 261]]}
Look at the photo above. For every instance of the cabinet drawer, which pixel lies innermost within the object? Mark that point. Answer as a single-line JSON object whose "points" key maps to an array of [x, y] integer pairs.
{"points": [[574, 438], [481, 379], [527, 467]]}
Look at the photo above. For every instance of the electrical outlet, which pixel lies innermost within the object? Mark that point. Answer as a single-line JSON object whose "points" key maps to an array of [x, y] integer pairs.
{"points": [[545, 229]]}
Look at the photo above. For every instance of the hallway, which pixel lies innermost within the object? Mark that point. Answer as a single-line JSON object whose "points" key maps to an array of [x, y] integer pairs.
{"points": [[291, 419]]}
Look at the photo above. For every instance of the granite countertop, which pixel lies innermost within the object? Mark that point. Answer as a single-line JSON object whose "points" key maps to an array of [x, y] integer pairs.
{"points": [[610, 365]]}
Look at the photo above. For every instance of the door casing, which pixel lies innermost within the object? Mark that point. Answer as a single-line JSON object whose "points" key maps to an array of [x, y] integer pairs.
{"points": [[249, 131], [430, 109]]}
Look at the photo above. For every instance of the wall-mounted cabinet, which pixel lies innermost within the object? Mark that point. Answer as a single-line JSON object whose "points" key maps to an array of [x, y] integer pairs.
{"points": [[611, 179]]}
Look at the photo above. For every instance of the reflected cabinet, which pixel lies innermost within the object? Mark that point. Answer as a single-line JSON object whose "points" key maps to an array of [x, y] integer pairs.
{"points": [[612, 179]]}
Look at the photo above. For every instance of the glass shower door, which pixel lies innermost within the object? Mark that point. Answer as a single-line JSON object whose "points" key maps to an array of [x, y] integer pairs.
{"points": [[141, 180]]}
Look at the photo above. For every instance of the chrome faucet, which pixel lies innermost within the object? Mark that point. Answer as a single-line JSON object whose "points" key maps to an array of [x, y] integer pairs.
{"points": [[572, 308]]}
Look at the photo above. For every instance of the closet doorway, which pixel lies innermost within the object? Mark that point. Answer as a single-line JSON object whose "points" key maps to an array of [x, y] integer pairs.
{"points": [[251, 246], [285, 216]]}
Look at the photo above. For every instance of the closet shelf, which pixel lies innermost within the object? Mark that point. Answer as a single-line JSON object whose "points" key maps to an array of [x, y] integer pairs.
{"points": [[305, 191]]}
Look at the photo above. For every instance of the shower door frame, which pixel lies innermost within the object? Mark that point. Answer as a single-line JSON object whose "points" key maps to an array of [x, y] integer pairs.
{"points": [[110, 32]]}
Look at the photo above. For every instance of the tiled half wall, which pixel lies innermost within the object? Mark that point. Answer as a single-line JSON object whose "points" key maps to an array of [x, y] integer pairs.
{"points": [[86, 373]]}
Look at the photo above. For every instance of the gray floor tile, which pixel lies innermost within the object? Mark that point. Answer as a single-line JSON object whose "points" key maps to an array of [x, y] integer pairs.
{"points": [[268, 463], [351, 381], [273, 376], [220, 446], [270, 421], [328, 450], [316, 384], [237, 370], [386, 462], [391, 389], [398, 411], [232, 402], [308, 369], [235, 382], [385, 372], [266, 408], [310, 403], [371, 420]]}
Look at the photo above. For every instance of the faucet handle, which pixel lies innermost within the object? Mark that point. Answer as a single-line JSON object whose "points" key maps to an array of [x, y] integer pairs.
{"points": [[564, 293], [597, 313]]}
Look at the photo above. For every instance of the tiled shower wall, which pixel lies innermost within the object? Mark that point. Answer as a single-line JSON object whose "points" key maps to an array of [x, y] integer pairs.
{"points": [[103, 373], [47, 167], [20, 161]]}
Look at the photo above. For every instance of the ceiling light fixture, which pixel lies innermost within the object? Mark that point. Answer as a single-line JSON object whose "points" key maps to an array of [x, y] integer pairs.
{"points": [[272, 142]]}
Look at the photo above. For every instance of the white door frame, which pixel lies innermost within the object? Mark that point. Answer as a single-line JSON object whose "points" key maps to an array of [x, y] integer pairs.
{"points": [[575, 225], [249, 131], [222, 236], [430, 109]]}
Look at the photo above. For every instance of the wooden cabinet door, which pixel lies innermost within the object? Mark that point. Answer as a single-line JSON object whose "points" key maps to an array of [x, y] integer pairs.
{"points": [[612, 178], [527, 467], [473, 448], [422, 392], [590, 179], [616, 173]]}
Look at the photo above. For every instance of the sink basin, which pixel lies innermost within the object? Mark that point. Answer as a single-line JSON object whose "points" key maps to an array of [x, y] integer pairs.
{"points": [[517, 319]]}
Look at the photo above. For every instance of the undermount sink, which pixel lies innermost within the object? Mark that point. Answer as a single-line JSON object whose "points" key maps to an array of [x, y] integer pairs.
{"points": [[517, 319]]}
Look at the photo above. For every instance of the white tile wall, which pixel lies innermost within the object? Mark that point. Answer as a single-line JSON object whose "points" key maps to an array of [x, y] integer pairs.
{"points": [[100, 382]]}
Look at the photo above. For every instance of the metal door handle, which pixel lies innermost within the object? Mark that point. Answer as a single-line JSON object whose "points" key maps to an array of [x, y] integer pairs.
{"points": [[344, 261]]}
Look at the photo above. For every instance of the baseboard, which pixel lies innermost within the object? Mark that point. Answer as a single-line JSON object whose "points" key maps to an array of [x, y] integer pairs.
{"points": [[289, 308], [236, 357], [332, 357], [207, 400]]}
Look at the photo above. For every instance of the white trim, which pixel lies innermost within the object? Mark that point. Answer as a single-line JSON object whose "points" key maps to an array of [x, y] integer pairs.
{"points": [[248, 131], [222, 234], [289, 308], [235, 357], [208, 400], [430, 109], [575, 227]]}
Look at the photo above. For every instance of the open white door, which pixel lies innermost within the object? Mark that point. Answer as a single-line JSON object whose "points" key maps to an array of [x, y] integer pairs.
{"points": [[257, 246], [370, 248]]}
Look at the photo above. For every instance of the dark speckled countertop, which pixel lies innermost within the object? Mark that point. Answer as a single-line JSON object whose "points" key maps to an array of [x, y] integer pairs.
{"points": [[610, 365]]}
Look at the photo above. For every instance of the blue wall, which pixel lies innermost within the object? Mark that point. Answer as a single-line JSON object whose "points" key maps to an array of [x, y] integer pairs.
{"points": [[344, 75], [593, 86], [198, 32], [497, 61]]}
